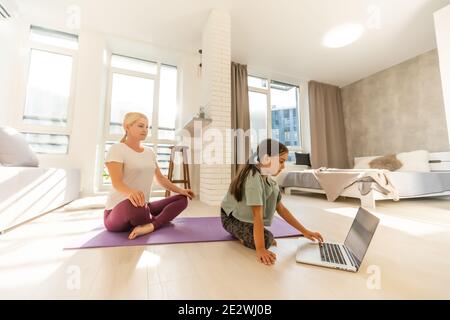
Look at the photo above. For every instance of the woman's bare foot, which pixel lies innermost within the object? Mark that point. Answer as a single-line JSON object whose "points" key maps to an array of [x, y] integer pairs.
{"points": [[141, 230]]}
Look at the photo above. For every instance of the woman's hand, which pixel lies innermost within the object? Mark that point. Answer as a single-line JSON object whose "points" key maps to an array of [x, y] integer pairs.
{"points": [[136, 197], [266, 256], [313, 236], [188, 193]]}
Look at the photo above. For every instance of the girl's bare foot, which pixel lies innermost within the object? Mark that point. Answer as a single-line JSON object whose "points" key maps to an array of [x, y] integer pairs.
{"points": [[141, 230]]}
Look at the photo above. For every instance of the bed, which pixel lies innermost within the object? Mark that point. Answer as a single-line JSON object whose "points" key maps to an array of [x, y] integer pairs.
{"points": [[408, 184], [29, 192]]}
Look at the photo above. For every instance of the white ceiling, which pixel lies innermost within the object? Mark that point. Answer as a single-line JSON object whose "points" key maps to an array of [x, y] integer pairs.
{"points": [[283, 36]]}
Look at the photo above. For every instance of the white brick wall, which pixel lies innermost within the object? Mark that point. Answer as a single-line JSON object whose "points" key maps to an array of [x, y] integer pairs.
{"points": [[216, 95]]}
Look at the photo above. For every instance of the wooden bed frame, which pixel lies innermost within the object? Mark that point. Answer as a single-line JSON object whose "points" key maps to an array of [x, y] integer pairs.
{"points": [[439, 161]]}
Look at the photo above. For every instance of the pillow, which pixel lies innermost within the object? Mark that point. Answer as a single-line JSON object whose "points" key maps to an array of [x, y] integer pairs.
{"points": [[418, 161], [388, 162], [302, 159], [14, 149]]}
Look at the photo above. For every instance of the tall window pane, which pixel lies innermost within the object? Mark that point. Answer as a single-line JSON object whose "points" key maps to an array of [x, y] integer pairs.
{"points": [[257, 82], [258, 117], [54, 38], [48, 88], [129, 94], [285, 120], [48, 143], [163, 154], [167, 112], [133, 64]]}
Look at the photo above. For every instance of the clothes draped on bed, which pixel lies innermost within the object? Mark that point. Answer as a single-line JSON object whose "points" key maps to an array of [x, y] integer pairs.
{"points": [[334, 181]]}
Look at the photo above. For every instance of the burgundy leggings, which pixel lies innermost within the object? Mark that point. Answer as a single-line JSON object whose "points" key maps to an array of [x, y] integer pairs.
{"points": [[124, 216]]}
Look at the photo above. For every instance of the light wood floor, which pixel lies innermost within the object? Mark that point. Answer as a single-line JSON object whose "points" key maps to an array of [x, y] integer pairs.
{"points": [[410, 249]]}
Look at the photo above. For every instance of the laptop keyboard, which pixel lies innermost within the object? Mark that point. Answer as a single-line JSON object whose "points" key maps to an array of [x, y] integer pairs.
{"points": [[331, 253]]}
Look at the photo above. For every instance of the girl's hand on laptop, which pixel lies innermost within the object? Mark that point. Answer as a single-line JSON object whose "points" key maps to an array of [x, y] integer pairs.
{"points": [[313, 236]]}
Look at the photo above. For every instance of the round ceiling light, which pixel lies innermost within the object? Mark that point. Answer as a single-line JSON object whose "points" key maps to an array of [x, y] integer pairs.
{"points": [[343, 35]]}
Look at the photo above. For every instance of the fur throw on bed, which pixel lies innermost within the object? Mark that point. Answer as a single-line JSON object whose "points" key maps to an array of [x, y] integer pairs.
{"points": [[388, 162]]}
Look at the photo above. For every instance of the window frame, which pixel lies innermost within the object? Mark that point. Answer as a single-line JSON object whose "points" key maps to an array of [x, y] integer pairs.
{"points": [[152, 139], [300, 108], [47, 129]]}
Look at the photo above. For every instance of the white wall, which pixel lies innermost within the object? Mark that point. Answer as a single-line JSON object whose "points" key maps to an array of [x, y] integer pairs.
{"points": [[11, 58], [442, 26], [215, 174], [90, 90], [190, 81]]}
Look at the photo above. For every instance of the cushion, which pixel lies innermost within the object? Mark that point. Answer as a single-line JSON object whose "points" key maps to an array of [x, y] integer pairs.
{"points": [[388, 162], [14, 149], [302, 159]]}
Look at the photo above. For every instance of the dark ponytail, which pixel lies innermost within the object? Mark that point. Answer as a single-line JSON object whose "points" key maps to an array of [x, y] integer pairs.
{"points": [[268, 147]]}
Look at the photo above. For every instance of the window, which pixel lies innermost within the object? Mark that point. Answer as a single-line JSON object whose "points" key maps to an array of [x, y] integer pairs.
{"points": [[133, 85], [129, 93], [48, 89], [133, 64], [258, 83], [258, 117], [167, 103], [284, 101], [47, 143], [274, 110], [45, 118], [53, 38]]}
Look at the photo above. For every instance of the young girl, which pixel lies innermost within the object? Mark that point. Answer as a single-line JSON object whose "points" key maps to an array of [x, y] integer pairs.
{"points": [[132, 169], [252, 199]]}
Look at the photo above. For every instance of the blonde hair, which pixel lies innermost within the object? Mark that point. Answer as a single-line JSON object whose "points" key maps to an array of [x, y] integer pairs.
{"points": [[129, 119]]}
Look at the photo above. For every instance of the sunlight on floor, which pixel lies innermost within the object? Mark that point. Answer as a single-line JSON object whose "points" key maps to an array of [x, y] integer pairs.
{"points": [[405, 225], [30, 264], [148, 259]]}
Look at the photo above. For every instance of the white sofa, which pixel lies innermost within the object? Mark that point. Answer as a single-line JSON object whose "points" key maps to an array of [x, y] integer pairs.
{"points": [[28, 190]]}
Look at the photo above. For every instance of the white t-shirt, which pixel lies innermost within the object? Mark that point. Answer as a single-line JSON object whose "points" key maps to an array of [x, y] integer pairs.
{"points": [[138, 171]]}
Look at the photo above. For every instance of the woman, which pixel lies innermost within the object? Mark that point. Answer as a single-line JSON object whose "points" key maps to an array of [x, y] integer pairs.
{"points": [[132, 169]]}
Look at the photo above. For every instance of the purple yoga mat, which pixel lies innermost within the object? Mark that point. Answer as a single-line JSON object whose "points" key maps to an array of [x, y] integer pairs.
{"points": [[202, 229]]}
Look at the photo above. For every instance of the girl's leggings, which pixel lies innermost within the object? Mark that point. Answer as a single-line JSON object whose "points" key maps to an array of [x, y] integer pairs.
{"points": [[124, 216], [244, 231]]}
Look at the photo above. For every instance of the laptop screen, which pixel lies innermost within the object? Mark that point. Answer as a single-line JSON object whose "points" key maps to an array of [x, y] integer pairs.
{"points": [[361, 233]]}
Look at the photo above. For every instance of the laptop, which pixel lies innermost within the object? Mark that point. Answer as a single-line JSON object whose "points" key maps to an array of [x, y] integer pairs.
{"points": [[347, 256]]}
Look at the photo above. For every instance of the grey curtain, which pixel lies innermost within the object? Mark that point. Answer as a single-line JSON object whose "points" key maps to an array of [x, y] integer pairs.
{"points": [[240, 116], [328, 143]]}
